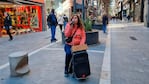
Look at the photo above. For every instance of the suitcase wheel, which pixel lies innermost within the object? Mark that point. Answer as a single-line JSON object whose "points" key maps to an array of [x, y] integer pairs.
{"points": [[83, 76]]}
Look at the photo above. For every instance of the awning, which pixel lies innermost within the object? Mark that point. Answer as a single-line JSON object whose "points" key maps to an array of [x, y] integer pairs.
{"points": [[5, 2], [22, 2]]}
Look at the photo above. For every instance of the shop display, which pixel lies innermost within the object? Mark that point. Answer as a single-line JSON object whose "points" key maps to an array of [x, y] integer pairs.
{"points": [[34, 19], [24, 18]]}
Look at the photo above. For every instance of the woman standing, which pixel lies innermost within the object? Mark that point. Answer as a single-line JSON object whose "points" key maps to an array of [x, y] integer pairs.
{"points": [[8, 25], [76, 29]]}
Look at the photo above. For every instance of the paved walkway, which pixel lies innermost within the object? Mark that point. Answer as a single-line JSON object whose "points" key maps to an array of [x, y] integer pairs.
{"points": [[47, 63], [124, 60], [129, 54]]}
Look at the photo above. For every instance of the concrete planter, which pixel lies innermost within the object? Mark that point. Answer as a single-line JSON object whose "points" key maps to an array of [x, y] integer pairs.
{"points": [[91, 37]]}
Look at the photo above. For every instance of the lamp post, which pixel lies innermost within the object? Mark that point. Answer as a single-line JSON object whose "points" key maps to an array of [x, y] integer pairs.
{"points": [[142, 11], [121, 13], [83, 12], [74, 6]]}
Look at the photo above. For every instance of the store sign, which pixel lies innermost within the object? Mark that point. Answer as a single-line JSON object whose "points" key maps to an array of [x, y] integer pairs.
{"points": [[7, 0], [3, 0], [40, 1]]}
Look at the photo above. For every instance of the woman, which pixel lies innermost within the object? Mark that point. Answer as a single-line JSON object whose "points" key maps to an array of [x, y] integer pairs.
{"points": [[76, 29], [8, 25], [60, 22], [65, 20]]}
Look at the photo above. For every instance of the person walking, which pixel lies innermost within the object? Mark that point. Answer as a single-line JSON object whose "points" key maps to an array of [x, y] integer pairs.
{"points": [[8, 25], [104, 23], [128, 18], [52, 22], [65, 20], [60, 22], [74, 28]]}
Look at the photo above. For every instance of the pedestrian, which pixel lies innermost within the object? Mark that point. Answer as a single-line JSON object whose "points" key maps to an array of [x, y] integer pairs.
{"points": [[60, 22], [74, 29], [104, 23], [128, 17], [8, 25], [65, 20], [52, 23]]}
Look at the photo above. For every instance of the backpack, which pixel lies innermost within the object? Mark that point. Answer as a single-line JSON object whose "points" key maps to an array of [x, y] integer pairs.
{"points": [[65, 19], [49, 19], [52, 19]]}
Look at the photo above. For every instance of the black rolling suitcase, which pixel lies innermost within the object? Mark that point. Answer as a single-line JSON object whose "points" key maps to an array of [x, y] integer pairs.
{"points": [[80, 64]]}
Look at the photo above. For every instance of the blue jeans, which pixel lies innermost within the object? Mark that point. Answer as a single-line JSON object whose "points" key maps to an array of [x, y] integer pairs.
{"points": [[104, 28], [67, 49], [65, 24], [68, 58], [53, 30]]}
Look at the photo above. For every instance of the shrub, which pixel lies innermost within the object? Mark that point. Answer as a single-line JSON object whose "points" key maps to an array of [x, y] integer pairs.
{"points": [[88, 25]]}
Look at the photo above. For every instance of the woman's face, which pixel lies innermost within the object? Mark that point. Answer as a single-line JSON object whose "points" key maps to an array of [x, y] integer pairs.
{"points": [[75, 19]]}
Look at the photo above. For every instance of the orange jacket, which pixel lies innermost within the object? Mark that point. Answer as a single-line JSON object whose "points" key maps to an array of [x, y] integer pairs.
{"points": [[79, 36]]}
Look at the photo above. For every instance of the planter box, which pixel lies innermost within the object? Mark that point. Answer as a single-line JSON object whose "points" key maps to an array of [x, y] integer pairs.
{"points": [[91, 37]]}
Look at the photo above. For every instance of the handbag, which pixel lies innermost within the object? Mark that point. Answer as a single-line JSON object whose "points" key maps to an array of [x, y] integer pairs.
{"points": [[77, 48], [69, 39]]}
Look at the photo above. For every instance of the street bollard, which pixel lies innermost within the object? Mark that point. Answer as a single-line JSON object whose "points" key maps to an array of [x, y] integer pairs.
{"points": [[18, 63]]}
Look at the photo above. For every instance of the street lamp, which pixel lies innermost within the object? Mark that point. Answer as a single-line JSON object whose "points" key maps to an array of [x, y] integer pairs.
{"points": [[83, 12], [74, 6], [121, 13]]}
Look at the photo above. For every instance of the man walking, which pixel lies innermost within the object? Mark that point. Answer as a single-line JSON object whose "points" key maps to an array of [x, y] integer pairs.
{"points": [[52, 22], [104, 23], [8, 25]]}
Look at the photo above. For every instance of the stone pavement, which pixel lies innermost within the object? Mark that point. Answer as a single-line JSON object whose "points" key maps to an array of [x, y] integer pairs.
{"points": [[129, 54], [47, 65], [124, 60]]}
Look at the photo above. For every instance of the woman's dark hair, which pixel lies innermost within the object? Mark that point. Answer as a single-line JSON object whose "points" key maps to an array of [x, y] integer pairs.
{"points": [[79, 24]]}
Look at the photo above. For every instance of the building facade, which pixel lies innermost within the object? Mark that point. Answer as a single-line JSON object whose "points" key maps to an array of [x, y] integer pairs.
{"points": [[146, 13], [134, 8]]}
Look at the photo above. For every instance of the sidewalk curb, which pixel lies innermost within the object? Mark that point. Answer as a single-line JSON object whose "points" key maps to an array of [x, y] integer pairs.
{"points": [[105, 77]]}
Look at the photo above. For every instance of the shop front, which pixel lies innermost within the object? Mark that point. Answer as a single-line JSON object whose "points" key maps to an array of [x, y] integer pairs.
{"points": [[25, 18]]}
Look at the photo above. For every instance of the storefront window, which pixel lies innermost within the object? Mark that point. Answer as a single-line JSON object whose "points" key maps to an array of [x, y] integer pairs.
{"points": [[23, 17]]}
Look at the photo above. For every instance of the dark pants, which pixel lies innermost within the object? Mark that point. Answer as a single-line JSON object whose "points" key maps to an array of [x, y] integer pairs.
{"points": [[53, 30], [68, 57], [60, 26], [8, 32]]}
